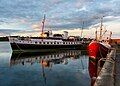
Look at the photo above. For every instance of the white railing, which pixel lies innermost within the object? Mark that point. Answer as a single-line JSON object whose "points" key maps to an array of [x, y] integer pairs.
{"points": [[44, 42]]}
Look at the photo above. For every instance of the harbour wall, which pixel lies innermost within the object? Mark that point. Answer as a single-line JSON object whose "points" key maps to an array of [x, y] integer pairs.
{"points": [[110, 72]]}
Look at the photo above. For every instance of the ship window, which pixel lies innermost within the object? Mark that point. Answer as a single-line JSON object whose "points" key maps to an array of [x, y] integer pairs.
{"points": [[35, 42], [63, 42], [57, 42], [47, 42], [54, 42], [43, 42], [39, 42]]}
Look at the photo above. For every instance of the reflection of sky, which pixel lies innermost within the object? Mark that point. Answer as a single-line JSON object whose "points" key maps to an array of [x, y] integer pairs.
{"points": [[61, 14], [5, 54]]}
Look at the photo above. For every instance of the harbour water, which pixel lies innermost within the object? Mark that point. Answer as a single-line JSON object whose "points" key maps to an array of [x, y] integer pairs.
{"points": [[61, 68]]}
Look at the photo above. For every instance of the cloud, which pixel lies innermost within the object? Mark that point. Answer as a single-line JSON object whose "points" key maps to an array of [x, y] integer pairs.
{"points": [[61, 14], [7, 32]]}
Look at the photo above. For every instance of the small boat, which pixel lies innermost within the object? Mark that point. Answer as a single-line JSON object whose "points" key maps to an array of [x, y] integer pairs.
{"points": [[99, 47], [46, 42]]}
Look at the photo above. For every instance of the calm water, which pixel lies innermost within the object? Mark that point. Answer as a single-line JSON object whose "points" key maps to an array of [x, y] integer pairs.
{"points": [[61, 68]]}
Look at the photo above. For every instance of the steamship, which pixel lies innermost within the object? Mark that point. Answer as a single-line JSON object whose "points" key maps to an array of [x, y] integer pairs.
{"points": [[46, 42]]}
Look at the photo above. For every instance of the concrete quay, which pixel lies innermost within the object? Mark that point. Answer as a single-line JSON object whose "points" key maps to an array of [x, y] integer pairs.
{"points": [[110, 72]]}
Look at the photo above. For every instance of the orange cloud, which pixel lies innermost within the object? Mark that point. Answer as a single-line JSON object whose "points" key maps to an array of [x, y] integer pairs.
{"points": [[36, 26]]}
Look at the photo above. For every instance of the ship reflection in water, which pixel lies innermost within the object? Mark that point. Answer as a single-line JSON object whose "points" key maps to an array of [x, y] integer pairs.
{"points": [[94, 69], [60, 68], [45, 59]]}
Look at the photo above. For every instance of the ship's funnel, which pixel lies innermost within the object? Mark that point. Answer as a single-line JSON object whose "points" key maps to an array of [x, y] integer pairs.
{"points": [[65, 34]]}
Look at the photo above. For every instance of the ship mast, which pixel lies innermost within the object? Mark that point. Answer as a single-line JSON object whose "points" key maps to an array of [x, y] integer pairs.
{"points": [[110, 35], [101, 25], [82, 29], [96, 35], [43, 25]]}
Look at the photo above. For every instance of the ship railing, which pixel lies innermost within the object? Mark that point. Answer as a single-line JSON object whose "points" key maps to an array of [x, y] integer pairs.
{"points": [[43, 42], [13, 39]]}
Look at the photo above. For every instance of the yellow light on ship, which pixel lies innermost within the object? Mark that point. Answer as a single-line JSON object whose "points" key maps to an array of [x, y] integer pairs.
{"points": [[43, 35]]}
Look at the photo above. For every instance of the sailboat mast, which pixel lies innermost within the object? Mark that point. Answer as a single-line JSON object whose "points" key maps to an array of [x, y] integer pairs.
{"points": [[43, 24]]}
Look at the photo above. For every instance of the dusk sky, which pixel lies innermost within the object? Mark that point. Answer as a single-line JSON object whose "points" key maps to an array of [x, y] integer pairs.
{"points": [[23, 17]]}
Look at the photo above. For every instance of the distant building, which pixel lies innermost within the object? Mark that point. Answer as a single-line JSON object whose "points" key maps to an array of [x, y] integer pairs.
{"points": [[116, 41]]}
